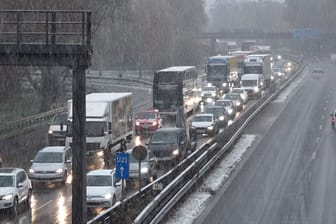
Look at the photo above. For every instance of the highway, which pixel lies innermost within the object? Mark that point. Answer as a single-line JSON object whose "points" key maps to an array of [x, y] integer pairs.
{"points": [[54, 197], [290, 176], [52, 203]]}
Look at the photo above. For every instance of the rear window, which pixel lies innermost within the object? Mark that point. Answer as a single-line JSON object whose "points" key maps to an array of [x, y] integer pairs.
{"points": [[318, 71]]}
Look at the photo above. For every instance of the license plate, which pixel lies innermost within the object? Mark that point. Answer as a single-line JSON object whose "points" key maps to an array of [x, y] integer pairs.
{"points": [[200, 131]]}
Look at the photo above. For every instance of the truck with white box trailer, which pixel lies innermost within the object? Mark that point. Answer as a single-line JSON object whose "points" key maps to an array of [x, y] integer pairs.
{"points": [[259, 64], [109, 120]]}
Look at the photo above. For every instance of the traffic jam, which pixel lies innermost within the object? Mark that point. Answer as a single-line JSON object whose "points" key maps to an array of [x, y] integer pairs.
{"points": [[127, 150]]}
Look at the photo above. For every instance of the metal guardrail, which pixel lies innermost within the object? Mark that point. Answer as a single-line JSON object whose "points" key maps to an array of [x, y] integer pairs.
{"points": [[149, 206]]}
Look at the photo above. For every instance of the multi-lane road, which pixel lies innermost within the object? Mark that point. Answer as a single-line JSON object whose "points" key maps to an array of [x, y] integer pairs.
{"points": [[291, 175], [52, 203]]}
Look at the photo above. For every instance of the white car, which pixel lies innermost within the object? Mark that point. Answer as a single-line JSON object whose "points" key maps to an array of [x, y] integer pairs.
{"points": [[103, 188], [15, 189], [209, 94], [204, 124], [243, 94], [51, 164]]}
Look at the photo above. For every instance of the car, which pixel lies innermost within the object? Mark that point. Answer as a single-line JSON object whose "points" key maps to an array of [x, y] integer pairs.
{"points": [[103, 188], [333, 119], [220, 115], [204, 124], [317, 73], [147, 121], [169, 144], [228, 105], [236, 99], [278, 72], [57, 129], [209, 94], [149, 167], [243, 94], [51, 164], [15, 189]]}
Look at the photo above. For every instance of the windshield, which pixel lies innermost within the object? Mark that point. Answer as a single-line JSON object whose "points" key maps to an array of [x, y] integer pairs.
{"points": [[60, 119], [231, 97], [99, 180], [93, 128], [49, 157], [164, 138], [217, 111], [238, 91], [167, 98], [223, 103], [6, 181], [202, 119], [253, 69], [217, 69], [249, 82], [209, 88], [146, 115]]}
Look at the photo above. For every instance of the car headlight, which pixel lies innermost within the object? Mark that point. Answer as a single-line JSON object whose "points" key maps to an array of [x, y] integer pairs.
{"points": [[100, 153], [224, 84], [176, 152], [213, 94], [144, 169], [154, 123], [7, 197], [209, 100], [50, 132], [108, 196], [272, 77], [31, 170], [261, 83], [137, 123], [192, 127], [60, 170], [221, 118], [230, 111], [256, 89], [210, 128], [238, 103]]}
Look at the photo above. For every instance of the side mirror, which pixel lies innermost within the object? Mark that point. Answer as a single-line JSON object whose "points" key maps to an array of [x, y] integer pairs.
{"points": [[117, 184], [182, 143], [69, 161], [31, 160], [146, 143], [20, 185]]}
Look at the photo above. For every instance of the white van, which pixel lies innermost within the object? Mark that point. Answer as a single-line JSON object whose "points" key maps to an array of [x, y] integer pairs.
{"points": [[253, 84]]}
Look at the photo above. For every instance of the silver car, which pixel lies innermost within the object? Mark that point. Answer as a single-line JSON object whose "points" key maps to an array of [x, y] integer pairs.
{"points": [[15, 189], [243, 94], [149, 167], [103, 188], [51, 164]]}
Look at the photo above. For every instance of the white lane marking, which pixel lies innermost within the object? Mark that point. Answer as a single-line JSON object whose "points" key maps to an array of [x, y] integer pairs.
{"points": [[323, 117], [318, 140], [314, 156], [320, 127], [44, 205]]}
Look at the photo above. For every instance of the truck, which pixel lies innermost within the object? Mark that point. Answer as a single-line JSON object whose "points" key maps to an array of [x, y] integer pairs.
{"points": [[259, 64], [240, 55], [57, 129], [109, 121], [222, 72]]}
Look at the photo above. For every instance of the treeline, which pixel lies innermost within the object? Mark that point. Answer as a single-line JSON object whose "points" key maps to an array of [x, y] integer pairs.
{"points": [[146, 34]]}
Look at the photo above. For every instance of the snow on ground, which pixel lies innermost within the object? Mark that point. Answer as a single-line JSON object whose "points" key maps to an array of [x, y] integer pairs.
{"points": [[197, 201]]}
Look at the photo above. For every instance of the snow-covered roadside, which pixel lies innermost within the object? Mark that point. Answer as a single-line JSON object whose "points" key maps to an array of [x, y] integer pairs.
{"points": [[196, 202]]}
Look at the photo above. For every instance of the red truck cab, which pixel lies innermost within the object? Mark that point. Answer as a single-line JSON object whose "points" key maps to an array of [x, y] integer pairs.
{"points": [[147, 121]]}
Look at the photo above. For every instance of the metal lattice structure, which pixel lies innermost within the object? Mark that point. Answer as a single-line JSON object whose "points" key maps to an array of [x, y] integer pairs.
{"points": [[55, 38]]}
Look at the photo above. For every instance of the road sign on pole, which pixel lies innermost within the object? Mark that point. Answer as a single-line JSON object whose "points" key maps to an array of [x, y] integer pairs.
{"points": [[122, 165]]}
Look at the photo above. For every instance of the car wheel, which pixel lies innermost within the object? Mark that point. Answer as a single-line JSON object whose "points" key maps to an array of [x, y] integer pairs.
{"points": [[65, 176], [114, 200], [13, 210], [28, 201]]}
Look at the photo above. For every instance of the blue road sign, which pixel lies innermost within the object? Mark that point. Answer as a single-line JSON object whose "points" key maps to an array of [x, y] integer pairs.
{"points": [[306, 34], [122, 165]]}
